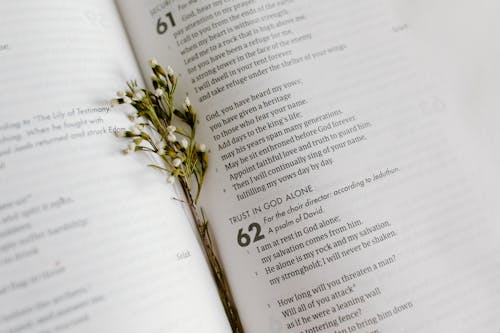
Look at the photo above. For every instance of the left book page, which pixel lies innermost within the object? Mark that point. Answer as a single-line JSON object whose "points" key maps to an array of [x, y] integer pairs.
{"points": [[90, 240]]}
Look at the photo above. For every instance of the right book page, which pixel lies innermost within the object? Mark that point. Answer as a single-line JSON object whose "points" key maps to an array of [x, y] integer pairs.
{"points": [[454, 39], [340, 193]]}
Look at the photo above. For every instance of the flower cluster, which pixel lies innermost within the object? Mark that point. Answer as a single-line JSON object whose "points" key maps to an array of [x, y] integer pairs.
{"points": [[160, 128]]}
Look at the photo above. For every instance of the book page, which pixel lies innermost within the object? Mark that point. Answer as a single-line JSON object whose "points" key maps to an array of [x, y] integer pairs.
{"points": [[90, 240], [339, 192], [463, 62]]}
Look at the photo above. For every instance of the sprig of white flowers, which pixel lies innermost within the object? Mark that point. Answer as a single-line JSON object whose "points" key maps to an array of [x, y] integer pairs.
{"points": [[169, 133], [160, 128]]}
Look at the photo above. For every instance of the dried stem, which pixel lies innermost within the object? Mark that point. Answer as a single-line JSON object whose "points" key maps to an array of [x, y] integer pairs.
{"points": [[216, 268]]}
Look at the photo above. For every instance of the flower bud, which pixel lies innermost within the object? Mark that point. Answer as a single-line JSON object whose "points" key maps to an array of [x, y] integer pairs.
{"points": [[158, 92], [177, 162], [139, 95], [184, 143], [153, 62], [202, 148], [136, 130], [170, 71], [171, 138], [120, 134], [132, 116]]}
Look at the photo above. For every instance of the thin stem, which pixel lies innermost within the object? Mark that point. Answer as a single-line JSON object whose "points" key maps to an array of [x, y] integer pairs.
{"points": [[215, 265]]}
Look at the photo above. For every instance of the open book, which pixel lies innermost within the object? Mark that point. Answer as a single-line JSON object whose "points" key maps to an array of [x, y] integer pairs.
{"points": [[351, 188]]}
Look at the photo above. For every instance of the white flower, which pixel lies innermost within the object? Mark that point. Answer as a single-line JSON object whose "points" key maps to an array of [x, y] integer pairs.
{"points": [[132, 116], [154, 78], [115, 102], [187, 104], [132, 146], [136, 130], [153, 62], [158, 92], [177, 162], [170, 71], [170, 179], [171, 137], [126, 151], [202, 148], [171, 128], [184, 143], [127, 100], [161, 151], [139, 95], [120, 94], [120, 134]]}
